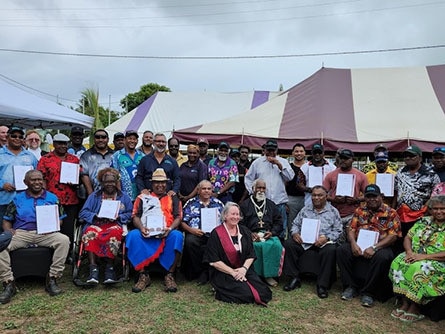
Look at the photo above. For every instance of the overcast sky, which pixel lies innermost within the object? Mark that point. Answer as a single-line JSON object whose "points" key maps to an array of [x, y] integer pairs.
{"points": [[207, 28]]}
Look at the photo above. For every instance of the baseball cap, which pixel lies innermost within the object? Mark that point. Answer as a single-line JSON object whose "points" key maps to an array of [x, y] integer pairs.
{"points": [[271, 144], [223, 144], [61, 137], [202, 140], [317, 148], [346, 153], [372, 189], [380, 147], [234, 152], [413, 149], [77, 130], [16, 129], [439, 150], [118, 135], [131, 133], [381, 156]]}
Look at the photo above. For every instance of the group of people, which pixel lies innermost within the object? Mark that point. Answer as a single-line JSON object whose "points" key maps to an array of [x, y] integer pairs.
{"points": [[260, 214]]}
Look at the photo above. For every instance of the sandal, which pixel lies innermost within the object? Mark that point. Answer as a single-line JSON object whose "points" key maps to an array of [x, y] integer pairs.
{"points": [[411, 317], [397, 313]]}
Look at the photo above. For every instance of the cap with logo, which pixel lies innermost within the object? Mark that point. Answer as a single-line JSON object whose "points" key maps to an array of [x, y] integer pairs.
{"points": [[317, 148], [381, 156], [413, 149], [372, 189], [271, 144], [380, 147], [347, 153], [223, 144], [16, 129]]}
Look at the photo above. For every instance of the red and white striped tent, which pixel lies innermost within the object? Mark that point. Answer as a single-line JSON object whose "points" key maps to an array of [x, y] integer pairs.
{"points": [[354, 108]]}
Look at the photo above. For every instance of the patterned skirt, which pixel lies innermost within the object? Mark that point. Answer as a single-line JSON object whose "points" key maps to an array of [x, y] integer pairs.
{"points": [[104, 240]]}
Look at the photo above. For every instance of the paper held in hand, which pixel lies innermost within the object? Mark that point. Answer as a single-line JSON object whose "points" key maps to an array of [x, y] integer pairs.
{"points": [[209, 219], [367, 238], [310, 228], [69, 173], [155, 224], [315, 176], [345, 185], [385, 183], [47, 219], [109, 209], [19, 176]]}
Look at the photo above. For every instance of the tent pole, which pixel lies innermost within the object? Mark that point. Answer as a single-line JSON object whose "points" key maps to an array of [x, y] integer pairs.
{"points": [[321, 138], [407, 136], [242, 137]]}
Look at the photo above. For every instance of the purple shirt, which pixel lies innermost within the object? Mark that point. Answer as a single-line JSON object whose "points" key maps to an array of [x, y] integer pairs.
{"points": [[220, 176]]}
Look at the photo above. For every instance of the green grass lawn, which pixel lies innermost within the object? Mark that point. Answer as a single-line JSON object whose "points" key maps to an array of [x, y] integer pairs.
{"points": [[192, 309]]}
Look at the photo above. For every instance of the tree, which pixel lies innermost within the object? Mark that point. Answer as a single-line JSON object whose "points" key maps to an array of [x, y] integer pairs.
{"points": [[132, 100]]}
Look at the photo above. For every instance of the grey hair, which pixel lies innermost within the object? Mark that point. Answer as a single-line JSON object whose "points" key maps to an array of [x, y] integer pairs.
{"points": [[256, 181], [226, 209], [201, 183], [439, 199]]}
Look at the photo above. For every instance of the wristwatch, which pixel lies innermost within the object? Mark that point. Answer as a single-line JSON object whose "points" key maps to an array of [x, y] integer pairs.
{"points": [[374, 248]]}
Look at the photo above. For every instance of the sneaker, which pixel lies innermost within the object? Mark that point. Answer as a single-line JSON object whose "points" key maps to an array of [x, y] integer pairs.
{"points": [[367, 301], [9, 291], [143, 281], [170, 284], [94, 275], [110, 275], [348, 294]]}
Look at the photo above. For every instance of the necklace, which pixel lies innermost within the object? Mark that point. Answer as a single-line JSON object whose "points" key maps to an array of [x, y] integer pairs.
{"points": [[260, 211]]}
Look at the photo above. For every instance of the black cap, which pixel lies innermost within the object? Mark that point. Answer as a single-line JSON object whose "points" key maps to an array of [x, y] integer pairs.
{"points": [[317, 148], [118, 135], [16, 129], [223, 144], [271, 144], [77, 130], [380, 147], [372, 189], [234, 152], [131, 133], [346, 153]]}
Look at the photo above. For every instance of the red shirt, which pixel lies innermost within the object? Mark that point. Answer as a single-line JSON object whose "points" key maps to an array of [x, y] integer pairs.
{"points": [[50, 166]]}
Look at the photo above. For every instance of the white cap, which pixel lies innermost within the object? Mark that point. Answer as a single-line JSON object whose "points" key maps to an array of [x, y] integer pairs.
{"points": [[60, 137]]}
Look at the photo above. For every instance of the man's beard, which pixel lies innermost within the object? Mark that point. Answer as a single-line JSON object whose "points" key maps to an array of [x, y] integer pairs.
{"points": [[260, 196], [159, 150], [222, 157]]}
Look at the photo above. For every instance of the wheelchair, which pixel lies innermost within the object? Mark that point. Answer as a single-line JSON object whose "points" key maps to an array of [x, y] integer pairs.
{"points": [[80, 271]]}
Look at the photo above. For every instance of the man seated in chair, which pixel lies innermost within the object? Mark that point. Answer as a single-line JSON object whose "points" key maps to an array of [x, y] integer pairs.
{"points": [[145, 246], [373, 216], [329, 231], [262, 217], [20, 219], [195, 242]]}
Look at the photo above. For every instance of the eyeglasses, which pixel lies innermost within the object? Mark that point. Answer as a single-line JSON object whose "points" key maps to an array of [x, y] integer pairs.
{"points": [[16, 136], [100, 137], [33, 139]]}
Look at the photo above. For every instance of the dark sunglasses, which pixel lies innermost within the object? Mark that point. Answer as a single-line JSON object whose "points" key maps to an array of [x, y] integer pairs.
{"points": [[16, 136], [100, 137]]}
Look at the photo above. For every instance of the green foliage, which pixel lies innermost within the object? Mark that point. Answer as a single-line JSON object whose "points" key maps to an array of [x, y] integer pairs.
{"points": [[132, 100]]}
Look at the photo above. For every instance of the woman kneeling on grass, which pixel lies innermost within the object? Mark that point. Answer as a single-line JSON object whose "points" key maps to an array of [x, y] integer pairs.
{"points": [[418, 274], [102, 236], [230, 254]]}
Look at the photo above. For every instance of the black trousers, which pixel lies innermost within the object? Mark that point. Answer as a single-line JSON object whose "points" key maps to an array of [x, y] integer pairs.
{"points": [[368, 276], [323, 258], [194, 248]]}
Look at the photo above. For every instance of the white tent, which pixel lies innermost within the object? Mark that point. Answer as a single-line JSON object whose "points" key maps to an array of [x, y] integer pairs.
{"points": [[20, 108], [167, 111]]}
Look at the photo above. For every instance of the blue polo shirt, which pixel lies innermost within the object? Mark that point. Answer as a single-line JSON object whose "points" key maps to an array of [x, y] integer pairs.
{"points": [[22, 210], [7, 161]]}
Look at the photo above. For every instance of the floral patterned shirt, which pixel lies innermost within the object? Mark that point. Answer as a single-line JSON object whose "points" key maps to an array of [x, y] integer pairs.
{"points": [[220, 176]]}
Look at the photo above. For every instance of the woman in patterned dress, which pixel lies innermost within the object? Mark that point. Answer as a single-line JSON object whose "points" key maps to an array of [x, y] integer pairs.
{"points": [[418, 274]]}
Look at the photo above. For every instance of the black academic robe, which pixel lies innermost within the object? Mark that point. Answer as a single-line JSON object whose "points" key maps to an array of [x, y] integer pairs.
{"points": [[228, 289]]}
